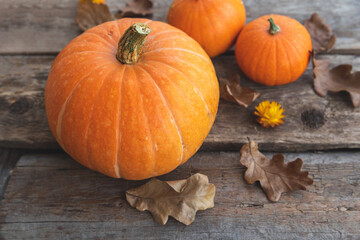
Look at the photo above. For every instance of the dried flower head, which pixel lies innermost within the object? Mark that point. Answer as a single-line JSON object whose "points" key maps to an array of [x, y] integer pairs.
{"points": [[96, 1], [269, 114]]}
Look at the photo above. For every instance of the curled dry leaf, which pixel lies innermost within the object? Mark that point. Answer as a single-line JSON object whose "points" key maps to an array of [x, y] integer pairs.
{"points": [[136, 8], [337, 79], [274, 175], [180, 199], [320, 32], [230, 90], [91, 13]]}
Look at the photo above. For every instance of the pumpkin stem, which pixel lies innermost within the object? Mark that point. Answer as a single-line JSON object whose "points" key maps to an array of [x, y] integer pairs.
{"points": [[131, 43], [274, 29]]}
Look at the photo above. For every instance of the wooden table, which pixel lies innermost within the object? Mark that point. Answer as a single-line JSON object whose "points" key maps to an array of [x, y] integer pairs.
{"points": [[50, 196]]}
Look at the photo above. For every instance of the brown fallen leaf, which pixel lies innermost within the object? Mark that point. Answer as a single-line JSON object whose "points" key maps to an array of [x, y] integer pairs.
{"points": [[136, 8], [337, 79], [180, 199], [230, 90], [320, 32], [91, 13], [274, 175]]}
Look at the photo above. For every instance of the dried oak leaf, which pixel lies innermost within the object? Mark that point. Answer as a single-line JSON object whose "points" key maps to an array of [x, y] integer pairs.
{"points": [[337, 79], [136, 8], [274, 175], [180, 199], [320, 32], [230, 90], [91, 13]]}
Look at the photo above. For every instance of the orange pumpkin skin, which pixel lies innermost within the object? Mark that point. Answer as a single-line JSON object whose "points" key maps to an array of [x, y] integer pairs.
{"points": [[214, 24], [131, 121], [273, 59]]}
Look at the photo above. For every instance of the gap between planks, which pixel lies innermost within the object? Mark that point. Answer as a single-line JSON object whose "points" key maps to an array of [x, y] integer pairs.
{"points": [[8, 160]]}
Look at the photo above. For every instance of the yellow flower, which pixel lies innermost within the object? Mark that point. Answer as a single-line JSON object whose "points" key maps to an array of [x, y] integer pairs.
{"points": [[96, 1], [269, 114], [99, 1]]}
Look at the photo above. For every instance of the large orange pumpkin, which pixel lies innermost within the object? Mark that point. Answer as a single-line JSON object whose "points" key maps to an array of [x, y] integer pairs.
{"points": [[134, 107], [214, 24], [273, 50]]}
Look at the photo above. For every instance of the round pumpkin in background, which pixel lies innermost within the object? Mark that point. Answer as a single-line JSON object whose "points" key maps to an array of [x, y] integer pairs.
{"points": [[130, 105], [214, 24], [273, 50]]}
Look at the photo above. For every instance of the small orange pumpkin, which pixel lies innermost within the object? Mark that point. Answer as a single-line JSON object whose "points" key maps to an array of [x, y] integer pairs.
{"points": [[273, 50], [214, 24], [128, 105]]}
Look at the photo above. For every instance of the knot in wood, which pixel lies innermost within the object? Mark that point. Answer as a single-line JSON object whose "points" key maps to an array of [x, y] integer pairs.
{"points": [[312, 118], [21, 106]]}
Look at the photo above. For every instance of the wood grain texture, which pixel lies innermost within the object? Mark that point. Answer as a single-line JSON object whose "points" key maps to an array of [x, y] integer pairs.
{"points": [[22, 107], [23, 121], [41, 26], [53, 197], [333, 116], [8, 159]]}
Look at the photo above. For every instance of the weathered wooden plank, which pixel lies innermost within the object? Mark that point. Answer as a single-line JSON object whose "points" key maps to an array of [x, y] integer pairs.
{"points": [[53, 197], [22, 109], [8, 159], [47, 26], [23, 120], [335, 115]]}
